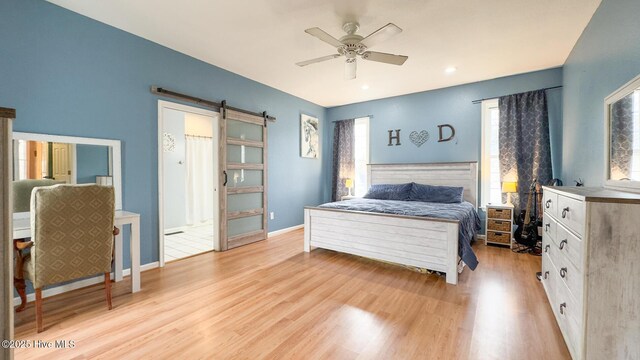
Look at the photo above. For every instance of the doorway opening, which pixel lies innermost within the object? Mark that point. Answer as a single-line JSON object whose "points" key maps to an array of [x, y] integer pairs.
{"points": [[187, 181]]}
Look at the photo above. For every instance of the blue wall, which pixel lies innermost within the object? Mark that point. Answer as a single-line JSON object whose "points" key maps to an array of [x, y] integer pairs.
{"points": [[69, 75], [606, 56], [91, 160], [453, 105]]}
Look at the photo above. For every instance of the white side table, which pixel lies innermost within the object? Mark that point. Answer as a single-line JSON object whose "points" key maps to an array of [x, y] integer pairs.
{"points": [[22, 229], [133, 219]]}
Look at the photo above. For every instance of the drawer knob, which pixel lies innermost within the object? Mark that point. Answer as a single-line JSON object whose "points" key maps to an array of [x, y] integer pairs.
{"points": [[563, 243], [546, 275], [547, 204], [546, 248], [565, 211], [562, 307], [546, 227], [563, 272]]}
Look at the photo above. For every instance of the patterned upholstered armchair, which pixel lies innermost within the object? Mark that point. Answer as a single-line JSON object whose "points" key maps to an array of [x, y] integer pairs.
{"points": [[72, 237], [21, 190]]}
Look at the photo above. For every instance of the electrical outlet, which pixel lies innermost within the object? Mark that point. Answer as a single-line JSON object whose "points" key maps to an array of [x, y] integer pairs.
{"points": [[272, 215]]}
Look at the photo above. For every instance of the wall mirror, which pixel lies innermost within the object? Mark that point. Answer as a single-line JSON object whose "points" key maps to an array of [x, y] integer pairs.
{"points": [[43, 159], [622, 132]]}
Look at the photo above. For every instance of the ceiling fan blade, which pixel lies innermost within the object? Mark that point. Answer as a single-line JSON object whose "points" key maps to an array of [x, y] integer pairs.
{"points": [[350, 68], [317, 60], [384, 33], [322, 35], [384, 57]]}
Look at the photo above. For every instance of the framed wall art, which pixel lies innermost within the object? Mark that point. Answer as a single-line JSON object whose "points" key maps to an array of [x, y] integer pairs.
{"points": [[309, 137]]}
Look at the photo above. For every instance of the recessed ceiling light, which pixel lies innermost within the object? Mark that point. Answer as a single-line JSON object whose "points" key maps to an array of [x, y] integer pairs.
{"points": [[450, 70], [365, 87]]}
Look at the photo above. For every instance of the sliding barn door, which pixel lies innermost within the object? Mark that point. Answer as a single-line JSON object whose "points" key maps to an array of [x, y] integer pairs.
{"points": [[243, 180]]}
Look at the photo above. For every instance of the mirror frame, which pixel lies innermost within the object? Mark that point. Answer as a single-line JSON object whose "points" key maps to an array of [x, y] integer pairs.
{"points": [[115, 154], [623, 185]]}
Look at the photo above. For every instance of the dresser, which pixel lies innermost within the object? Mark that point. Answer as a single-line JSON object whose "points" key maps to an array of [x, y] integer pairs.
{"points": [[499, 225], [591, 269]]}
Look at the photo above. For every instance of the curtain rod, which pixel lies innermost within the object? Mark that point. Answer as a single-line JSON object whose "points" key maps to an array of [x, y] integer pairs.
{"points": [[358, 117], [208, 103], [495, 97]]}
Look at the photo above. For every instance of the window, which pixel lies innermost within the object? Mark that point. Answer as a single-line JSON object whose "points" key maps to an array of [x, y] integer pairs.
{"points": [[491, 185], [361, 135]]}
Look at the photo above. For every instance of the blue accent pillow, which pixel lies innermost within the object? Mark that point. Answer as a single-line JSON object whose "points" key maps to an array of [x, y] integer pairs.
{"points": [[389, 192], [436, 194]]}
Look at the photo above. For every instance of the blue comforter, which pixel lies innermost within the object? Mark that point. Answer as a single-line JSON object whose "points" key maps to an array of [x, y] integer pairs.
{"points": [[465, 213]]}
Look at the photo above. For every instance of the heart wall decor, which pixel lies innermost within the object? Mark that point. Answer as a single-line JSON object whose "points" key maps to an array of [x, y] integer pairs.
{"points": [[419, 138]]}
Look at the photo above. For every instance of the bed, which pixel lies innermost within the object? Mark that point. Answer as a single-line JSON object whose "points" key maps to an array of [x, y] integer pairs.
{"points": [[424, 235]]}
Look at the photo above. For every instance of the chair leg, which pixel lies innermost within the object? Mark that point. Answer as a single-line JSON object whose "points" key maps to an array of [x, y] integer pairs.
{"points": [[39, 309], [107, 288], [21, 288]]}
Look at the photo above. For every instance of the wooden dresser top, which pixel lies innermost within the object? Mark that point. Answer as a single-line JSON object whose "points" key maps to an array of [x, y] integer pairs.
{"points": [[596, 194]]}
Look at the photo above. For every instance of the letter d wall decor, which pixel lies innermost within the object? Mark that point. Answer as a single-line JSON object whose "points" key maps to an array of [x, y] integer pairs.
{"points": [[441, 138]]}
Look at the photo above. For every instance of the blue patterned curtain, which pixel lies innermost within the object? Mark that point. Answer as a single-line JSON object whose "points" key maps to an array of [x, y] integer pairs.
{"points": [[525, 151], [344, 160]]}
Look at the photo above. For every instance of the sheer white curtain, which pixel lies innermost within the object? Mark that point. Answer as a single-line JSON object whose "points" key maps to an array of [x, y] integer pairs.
{"points": [[199, 164]]}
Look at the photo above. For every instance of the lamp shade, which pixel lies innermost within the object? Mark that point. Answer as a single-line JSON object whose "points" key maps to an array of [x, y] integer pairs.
{"points": [[509, 187], [348, 183]]}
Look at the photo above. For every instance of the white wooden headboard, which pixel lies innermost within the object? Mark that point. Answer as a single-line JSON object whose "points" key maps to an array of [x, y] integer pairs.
{"points": [[463, 174]]}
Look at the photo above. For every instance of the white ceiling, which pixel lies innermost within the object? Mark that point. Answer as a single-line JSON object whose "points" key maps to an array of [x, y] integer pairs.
{"points": [[482, 39]]}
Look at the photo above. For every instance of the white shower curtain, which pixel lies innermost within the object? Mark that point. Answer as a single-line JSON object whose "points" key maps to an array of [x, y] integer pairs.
{"points": [[199, 164]]}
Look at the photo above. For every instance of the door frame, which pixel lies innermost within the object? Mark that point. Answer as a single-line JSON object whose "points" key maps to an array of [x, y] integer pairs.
{"points": [[163, 104]]}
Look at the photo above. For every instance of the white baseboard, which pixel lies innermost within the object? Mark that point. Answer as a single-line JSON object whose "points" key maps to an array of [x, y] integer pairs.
{"points": [[285, 230], [82, 283], [481, 236]]}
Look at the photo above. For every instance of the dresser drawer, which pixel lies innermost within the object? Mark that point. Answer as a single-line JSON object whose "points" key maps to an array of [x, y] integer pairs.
{"points": [[571, 213], [567, 311], [548, 276], [570, 246], [569, 315], [499, 237], [547, 246], [503, 214], [569, 275], [549, 226], [550, 203], [499, 225]]}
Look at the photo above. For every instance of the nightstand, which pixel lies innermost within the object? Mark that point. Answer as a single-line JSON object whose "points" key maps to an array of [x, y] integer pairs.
{"points": [[499, 225], [348, 197]]}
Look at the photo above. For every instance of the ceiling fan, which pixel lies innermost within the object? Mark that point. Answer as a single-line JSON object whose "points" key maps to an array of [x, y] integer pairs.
{"points": [[352, 45]]}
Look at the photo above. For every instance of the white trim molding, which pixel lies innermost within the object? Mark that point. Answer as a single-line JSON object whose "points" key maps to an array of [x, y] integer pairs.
{"points": [[485, 155], [285, 230], [622, 92], [162, 104]]}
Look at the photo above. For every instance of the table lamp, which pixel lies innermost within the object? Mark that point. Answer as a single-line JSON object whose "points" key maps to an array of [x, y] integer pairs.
{"points": [[509, 187], [348, 184]]}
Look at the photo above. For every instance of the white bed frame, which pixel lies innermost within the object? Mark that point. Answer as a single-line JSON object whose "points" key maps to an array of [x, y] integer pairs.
{"points": [[428, 243]]}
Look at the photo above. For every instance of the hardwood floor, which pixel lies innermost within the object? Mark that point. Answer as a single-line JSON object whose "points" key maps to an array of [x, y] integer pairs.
{"points": [[271, 300]]}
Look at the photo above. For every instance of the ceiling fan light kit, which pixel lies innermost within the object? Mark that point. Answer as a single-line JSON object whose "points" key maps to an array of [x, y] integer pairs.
{"points": [[353, 45]]}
